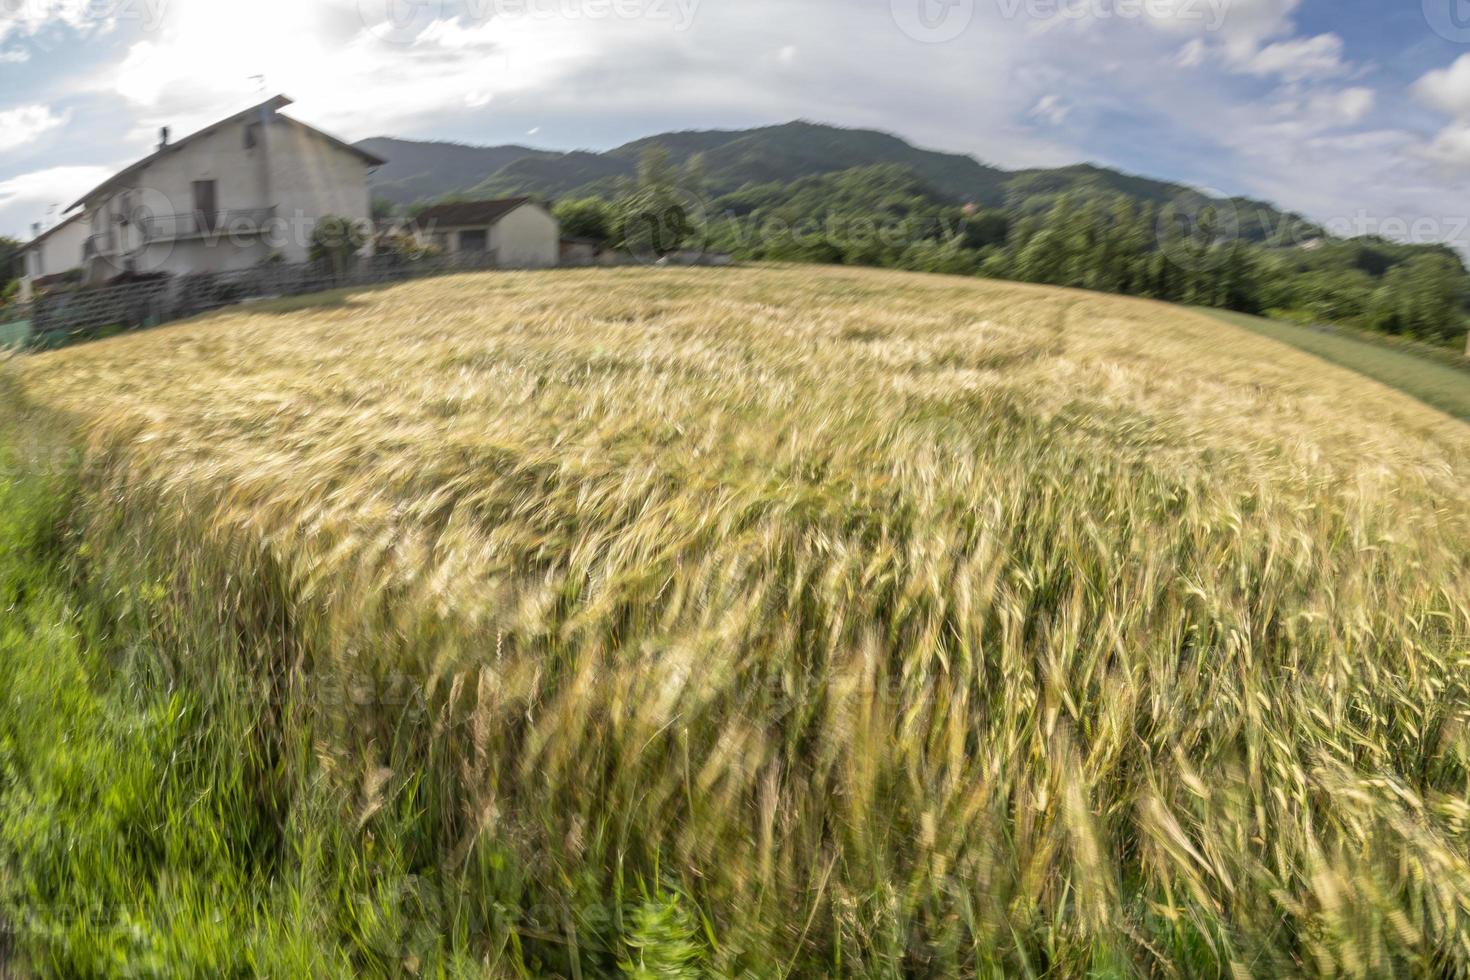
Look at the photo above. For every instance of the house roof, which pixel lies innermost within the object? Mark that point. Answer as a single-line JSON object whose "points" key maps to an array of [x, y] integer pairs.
{"points": [[49, 232], [468, 212], [267, 108]]}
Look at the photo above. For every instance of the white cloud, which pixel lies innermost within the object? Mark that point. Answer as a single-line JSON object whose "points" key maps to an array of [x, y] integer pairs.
{"points": [[15, 56], [1448, 89], [1452, 146], [1342, 107], [1051, 109], [349, 76], [1243, 36], [27, 18], [22, 125], [1192, 55], [53, 184], [41, 195], [1302, 120], [1239, 24], [1297, 59]]}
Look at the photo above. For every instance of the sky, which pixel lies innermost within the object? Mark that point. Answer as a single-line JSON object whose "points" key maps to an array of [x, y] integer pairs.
{"points": [[1353, 112]]}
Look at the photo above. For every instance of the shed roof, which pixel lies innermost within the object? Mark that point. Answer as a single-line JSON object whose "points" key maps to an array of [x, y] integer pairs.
{"points": [[468, 213]]}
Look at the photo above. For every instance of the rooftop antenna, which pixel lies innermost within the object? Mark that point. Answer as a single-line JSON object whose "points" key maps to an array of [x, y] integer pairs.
{"points": [[259, 81]]}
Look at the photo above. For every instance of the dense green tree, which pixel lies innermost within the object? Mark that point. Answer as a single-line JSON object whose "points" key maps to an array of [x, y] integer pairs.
{"points": [[658, 215], [1424, 297], [11, 258], [336, 242], [585, 217], [1237, 254]]}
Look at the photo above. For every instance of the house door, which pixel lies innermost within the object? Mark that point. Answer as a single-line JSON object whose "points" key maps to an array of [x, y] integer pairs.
{"points": [[206, 211]]}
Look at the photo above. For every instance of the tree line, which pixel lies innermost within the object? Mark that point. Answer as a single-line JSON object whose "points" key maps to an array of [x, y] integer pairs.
{"points": [[1194, 250]]}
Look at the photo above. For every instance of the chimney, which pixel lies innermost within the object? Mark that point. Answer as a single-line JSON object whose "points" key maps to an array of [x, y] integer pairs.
{"points": [[163, 137]]}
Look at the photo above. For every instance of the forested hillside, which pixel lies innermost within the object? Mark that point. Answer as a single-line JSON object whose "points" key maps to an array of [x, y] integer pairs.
{"points": [[729, 160], [806, 192]]}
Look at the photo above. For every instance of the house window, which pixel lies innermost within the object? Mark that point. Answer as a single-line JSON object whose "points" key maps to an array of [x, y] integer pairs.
{"points": [[252, 135], [473, 241], [205, 204]]}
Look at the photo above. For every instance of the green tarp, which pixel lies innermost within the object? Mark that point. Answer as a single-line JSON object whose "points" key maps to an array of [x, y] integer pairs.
{"points": [[15, 333]]}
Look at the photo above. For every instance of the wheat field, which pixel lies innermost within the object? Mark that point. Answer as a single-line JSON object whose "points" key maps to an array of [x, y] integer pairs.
{"points": [[784, 621]]}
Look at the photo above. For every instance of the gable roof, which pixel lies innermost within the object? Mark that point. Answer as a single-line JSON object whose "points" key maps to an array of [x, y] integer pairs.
{"points": [[469, 212], [49, 232], [267, 109]]}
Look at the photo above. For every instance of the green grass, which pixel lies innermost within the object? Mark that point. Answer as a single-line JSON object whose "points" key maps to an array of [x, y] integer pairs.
{"points": [[162, 812], [133, 829], [1438, 384]]}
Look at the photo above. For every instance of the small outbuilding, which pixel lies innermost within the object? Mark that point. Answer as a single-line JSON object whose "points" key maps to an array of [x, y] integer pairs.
{"points": [[586, 251], [53, 254], [516, 232]]}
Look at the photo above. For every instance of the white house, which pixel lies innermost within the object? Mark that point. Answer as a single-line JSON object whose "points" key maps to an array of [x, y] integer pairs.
{"points": [[52, 254], [244, 190], [515, 231]]}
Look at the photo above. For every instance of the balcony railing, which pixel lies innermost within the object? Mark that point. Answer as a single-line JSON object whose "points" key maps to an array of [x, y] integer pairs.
{"points": [[200, 224], [102, 243]]}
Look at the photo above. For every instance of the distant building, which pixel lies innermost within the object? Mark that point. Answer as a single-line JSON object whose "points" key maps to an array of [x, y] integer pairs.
{"points": [[515, 231], [52, 254], [249, 188], [586, 251]]}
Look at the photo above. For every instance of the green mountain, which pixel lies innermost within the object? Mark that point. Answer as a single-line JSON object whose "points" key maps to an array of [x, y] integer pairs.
{"points": [[763, 160], [418, 171], [732, 159], [803, 149]]}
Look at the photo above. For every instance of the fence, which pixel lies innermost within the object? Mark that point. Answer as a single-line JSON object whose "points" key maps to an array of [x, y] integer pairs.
{"points": [[56, 319]]}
